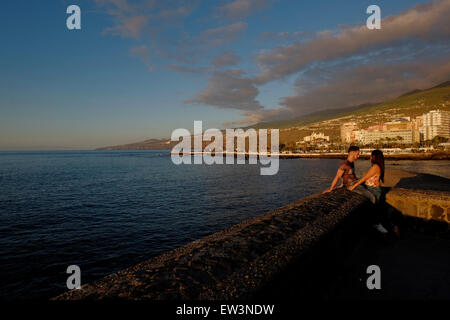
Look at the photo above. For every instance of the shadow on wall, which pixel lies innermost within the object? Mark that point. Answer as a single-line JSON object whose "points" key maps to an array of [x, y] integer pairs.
{"points": [[419, 181]]}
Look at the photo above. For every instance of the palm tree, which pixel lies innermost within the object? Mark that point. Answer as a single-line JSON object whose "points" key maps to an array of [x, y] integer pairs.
{"points": [[437, 140]]}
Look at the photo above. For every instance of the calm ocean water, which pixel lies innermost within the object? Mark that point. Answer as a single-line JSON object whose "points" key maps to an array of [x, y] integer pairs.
{"points": [[107, 210]]}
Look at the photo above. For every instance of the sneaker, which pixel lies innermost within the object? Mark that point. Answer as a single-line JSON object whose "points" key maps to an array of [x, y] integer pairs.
{"points": [[380, 228]]}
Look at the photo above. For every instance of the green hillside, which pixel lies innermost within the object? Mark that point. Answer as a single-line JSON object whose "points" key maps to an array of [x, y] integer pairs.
{"points": [[412, 104], [416, 103], [310, 118]]}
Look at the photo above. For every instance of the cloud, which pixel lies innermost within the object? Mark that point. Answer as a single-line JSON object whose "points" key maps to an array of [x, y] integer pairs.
{"points": [[373, 82], [226, 58], [129, 22], [176, 13], [222, 35], [143, 53], [116, 5], [228, 90], [285, 35], [338, 67], [425, 22], [240, 9], [128, 27], [160, 25], [189, 49], [388, 75], [133, 18], [252, 117], [353, 65], [188, 69], [349, 66]]}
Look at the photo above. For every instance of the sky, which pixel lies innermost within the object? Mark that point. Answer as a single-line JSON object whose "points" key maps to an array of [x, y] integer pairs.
{"points": [[139, 69]]}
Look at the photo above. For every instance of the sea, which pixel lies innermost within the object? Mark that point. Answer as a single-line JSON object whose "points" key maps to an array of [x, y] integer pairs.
{"points": [[107, 210]]}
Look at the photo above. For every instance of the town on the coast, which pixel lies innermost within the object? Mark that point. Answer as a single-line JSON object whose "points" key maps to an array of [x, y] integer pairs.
{"points": [[427, 132]]}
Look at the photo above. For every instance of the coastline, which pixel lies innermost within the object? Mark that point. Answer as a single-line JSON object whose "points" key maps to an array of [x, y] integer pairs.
{"points": [[387, 156]]}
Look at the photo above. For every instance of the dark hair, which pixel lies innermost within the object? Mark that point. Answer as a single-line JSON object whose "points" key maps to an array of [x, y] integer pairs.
{"points": [[353, 148], [377, 157]]}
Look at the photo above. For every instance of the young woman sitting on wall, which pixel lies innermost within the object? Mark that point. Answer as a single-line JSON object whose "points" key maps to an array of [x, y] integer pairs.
{"points": [[372, 186]]}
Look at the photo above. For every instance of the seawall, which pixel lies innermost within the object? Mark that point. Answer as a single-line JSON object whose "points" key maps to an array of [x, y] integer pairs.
{"points": [[248, 260], [439, 155], [419, 195], [233, 263]]}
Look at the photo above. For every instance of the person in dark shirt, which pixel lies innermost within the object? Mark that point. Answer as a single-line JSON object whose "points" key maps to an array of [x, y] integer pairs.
{"points": [[346, 169]]}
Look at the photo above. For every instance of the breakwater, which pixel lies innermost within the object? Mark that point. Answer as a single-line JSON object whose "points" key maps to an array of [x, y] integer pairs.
{"points": [[233, 263], [248, 259]]}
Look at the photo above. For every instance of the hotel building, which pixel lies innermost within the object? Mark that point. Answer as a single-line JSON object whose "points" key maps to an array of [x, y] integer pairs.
{"points": [[435, 123], [346, 131]]}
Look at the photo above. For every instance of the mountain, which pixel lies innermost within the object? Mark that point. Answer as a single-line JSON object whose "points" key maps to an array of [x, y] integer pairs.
{"points": [[410, 104], [411, 92], [151, 144], [431, 97], [442, 85], [310, 118]]}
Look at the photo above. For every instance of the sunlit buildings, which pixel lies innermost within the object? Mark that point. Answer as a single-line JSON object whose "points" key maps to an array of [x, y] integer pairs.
{"points": [[435, 123], [316, 137], [346, 131], [399, 130], [406, 136]]}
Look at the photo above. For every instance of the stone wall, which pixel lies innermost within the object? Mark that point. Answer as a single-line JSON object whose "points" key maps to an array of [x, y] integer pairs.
{"points": [[424, 204], [236, 262], [419, 195]]}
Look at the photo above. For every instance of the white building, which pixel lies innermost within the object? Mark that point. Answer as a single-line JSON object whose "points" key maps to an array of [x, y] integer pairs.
{"points": [[400, 136], [435, 123], [316, 137], [346, 131], [356, 135]]}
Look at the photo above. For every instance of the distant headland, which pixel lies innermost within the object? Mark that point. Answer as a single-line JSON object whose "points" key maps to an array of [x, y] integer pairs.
{"points": [[406, 123]]}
